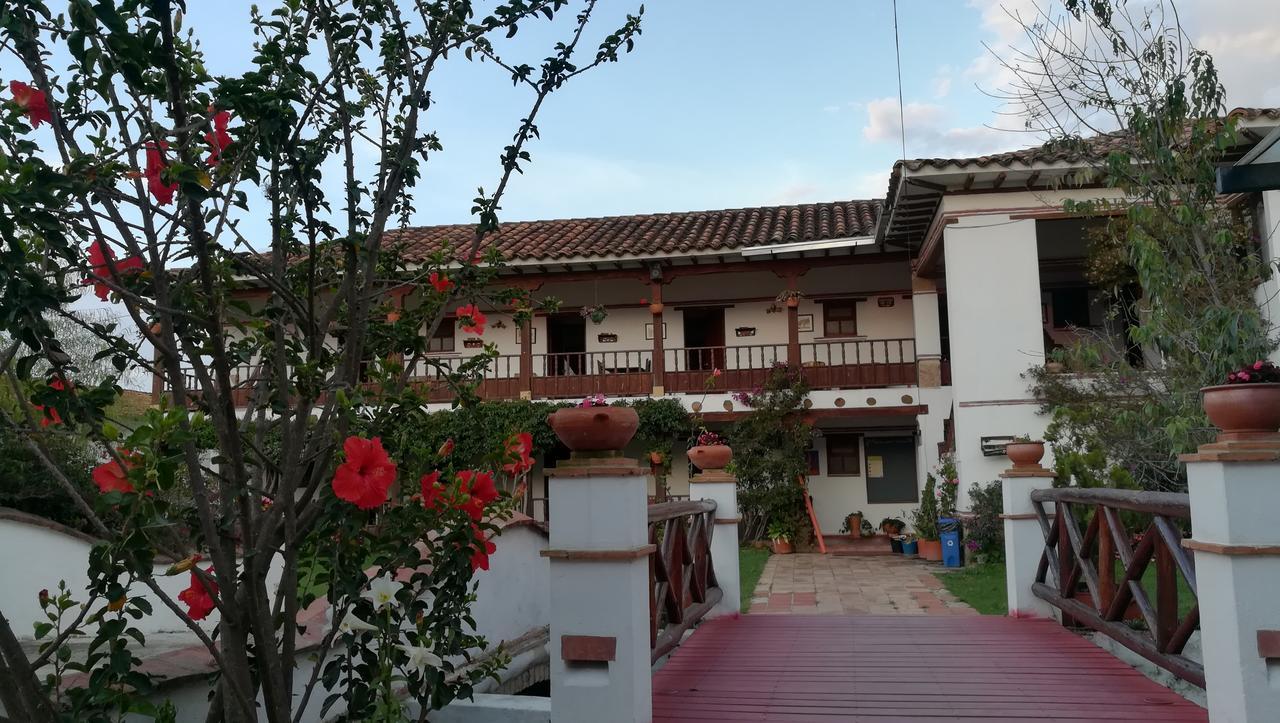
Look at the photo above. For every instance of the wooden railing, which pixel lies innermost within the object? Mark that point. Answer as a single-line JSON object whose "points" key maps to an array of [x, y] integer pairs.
{"points": [[1089, 537], [859, 363], [682, 581], [742, 367]]}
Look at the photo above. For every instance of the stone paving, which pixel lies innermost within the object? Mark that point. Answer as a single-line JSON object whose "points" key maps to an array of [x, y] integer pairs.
{"points": [[814, 584]]}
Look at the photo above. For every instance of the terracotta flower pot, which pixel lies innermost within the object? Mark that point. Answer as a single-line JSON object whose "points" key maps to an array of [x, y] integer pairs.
{"points": [[1025, 454], [793, 302], [656, 307], [655, 458], [855, 525], [594, 429], [931, 550], [1243, 411], [781, 547], [710, 456]]}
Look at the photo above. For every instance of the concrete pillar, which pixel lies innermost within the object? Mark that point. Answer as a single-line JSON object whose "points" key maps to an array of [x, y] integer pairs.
{"points": [[1234, 498], [928, 331], [993, 308], [1268, 292], [599, 553], [1023, 539], [722, 487]]}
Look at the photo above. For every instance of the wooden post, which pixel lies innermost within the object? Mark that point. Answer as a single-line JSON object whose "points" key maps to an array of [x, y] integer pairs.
{"points": [[1066, 562], [659, 355], [1106, 559], [793, 326], [1166, 595], [526, 359]]}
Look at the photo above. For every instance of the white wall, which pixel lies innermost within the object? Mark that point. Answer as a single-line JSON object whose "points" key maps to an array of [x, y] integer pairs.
{"points": [[1268, 293], [993, 305]]}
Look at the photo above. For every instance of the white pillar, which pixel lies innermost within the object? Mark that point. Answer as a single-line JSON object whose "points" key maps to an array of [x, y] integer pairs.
{"points": [[722, 487], [1235, 494], [599, 551], [993, 312], [1023, 539]]}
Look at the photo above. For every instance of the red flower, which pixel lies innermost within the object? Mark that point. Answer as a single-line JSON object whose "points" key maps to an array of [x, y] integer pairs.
{"points": [[218, 139], [440, 282], [519, 446], [32, 101], [199, 597], [1257, 366], [432, 490], [481, 550], [472, 319], [155, 168], [446, 449], [113, 476], [49, 415], [366, 476], [99, 254], [478, 491]]}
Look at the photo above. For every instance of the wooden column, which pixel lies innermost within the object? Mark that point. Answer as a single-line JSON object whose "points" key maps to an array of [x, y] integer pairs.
{"points": [[526, 359], [793, 326], [659, 355]]}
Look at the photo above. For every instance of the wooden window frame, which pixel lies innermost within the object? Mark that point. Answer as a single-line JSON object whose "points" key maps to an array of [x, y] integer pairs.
{"points": [[450, 325], [857, 444], [827, 306]]}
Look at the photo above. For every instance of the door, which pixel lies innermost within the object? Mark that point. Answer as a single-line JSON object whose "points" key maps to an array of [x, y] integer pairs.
{"points": [[891, 470], [704, 339], [566, 345]]}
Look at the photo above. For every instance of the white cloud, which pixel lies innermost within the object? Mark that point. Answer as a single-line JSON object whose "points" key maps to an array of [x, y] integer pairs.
{"points": [[928, 132], [942, 82]]}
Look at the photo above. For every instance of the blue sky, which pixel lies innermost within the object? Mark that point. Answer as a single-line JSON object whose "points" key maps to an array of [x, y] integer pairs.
{"points": [[723, 104]]}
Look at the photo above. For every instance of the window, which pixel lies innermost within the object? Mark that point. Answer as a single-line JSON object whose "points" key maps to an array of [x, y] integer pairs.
{"points": [[1070, 307], [443, 339], [844, 455], [840, 318]]}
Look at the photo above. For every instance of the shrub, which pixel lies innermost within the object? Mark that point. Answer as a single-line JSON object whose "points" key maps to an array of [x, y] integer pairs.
{"points": [[985, 530]]}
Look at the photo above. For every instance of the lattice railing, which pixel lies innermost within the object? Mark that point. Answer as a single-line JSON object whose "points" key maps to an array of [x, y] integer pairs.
{"points": [[1096, 571], [682, 580]]}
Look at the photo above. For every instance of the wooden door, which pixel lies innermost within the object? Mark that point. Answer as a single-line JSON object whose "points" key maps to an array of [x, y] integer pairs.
{"points": [[704, 338]]}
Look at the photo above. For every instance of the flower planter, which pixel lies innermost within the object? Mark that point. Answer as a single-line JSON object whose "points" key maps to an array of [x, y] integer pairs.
{"points": [[781, 547], [1024, 454], [793, 302], [655, 308], [931, 550], [710, 456], [655, 458], [594, 429], [910, 548], [1243, 411], [854, 522], [895, 545]]}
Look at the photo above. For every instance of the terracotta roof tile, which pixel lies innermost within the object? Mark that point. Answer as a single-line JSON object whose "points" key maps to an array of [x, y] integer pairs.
{"points": [[658, 234]]}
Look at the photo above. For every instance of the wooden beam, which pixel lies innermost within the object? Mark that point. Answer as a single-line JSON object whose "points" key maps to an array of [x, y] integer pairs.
{"points": [[968, 181], [1031, 180], [999, 181]]}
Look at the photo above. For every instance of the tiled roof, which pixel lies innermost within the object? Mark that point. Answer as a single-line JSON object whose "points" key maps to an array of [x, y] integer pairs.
{"points": [[657, 234]]}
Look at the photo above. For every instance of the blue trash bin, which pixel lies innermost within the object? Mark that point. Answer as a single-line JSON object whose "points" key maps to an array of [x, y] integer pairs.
{"points": [[949, 535]]}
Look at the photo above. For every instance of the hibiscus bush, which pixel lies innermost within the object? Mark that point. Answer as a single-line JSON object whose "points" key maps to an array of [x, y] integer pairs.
{"points": [[243, 228]]}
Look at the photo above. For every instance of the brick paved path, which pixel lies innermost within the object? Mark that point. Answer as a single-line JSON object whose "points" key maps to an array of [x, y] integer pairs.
{"points": [[836, 585]]}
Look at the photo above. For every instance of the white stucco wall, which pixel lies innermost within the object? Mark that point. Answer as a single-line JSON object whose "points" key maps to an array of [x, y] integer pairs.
{"points": [[1268, 293]]}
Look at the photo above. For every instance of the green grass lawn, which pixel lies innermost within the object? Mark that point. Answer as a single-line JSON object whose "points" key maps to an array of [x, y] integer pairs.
{"points": [[983, 588], [750, 564]]}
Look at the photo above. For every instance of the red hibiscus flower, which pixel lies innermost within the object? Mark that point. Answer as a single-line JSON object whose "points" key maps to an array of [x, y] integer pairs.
{"points": [[32, 101], [432, 490], [366, 476], [199, 597], [155, 168], [113, 476], [218, 139], [440, 282], [519, 446], [446, 449], [99, 254], [49, 415], [472, 319], [478, 491], [481, 549]]}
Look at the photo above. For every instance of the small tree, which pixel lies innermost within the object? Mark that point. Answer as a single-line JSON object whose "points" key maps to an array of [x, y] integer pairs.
{"points": [[769, 447], [135, 171], [1120, 87]]}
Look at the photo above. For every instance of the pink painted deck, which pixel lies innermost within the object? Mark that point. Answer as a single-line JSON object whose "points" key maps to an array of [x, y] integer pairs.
{"points": [[902, 668]]}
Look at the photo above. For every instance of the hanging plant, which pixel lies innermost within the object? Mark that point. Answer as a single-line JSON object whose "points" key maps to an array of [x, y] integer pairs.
{"points": [[596, 313]]}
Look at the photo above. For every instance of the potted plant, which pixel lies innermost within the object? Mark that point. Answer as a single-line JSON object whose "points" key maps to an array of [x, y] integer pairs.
{"points": [[596, 313], [924, 521], [710, 451], [1248, 405], [594, 426], [910, 546], [853, 524], [790, 297], [1024, 452], [892, 526], [780, 537]]}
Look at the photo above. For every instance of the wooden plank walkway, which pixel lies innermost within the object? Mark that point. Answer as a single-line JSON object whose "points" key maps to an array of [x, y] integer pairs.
{"points": [[902, 668]]}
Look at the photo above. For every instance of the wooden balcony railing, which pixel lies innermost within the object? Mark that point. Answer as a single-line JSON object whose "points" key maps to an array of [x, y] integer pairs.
{"points": [[1096, 572], [682, 580]]}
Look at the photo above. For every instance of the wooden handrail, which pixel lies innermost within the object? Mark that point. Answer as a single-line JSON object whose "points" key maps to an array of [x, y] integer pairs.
{"points": [[681, 508], [1083, 542], [682, 579]]}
